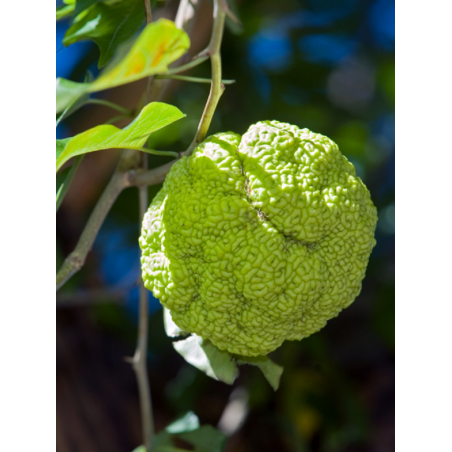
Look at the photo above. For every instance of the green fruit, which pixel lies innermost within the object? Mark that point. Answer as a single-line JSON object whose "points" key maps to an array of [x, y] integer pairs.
{"points": [[257, 239]]}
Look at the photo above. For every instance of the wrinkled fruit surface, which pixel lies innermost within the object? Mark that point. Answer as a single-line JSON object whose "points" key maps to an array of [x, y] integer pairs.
{"points": [[257, 239]]}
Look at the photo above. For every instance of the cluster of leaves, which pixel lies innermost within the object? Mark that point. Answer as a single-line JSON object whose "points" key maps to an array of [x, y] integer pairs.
{"points": [[217, 364], [187, 428], [108, 23], [157, 46]]}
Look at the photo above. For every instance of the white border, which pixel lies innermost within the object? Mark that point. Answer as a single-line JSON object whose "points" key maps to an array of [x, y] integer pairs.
{"points": [[424, 226], [27, 227]]}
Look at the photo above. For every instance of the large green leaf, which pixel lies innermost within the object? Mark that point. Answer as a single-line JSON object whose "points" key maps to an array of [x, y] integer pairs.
{"points": [[108, 25], [154, 116], [158, 45], [202, 354]]}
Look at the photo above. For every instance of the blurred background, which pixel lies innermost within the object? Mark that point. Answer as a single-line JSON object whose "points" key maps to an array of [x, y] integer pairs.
{"points": [[326, 65]]}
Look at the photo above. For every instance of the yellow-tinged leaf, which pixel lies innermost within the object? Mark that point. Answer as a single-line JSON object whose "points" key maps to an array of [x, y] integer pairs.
{"points": [[159, 44]]}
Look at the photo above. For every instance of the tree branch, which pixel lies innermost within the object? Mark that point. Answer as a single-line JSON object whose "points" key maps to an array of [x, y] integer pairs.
{"points": [[75, 261], [151, 177], [147, 7], [139, 360]]}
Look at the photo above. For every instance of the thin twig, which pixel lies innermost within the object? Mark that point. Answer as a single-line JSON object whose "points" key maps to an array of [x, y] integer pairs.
{"points": [[147, 7], [184, 5], [151, 177], [139, 360], [145, 98], [75, 261]]}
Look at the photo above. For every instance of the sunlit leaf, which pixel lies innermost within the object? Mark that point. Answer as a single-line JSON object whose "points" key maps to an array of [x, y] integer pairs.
{"points": [[202, 354], [159, 44], [68, 92], [272, 371], [77, 103], [64, 11], [108, 25], [188, 422], [153, 117], [171, 329]]}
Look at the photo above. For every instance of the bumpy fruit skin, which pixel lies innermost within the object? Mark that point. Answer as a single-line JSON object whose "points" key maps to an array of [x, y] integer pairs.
{"points": [[257, 239]]}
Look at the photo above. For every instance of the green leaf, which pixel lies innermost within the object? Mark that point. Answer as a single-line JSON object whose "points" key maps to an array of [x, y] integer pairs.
{"points": [[154, 116], [64, 11], [64, 184], [161, 442], [202, 354], [205, 439], [140, 449], [60, 179], [108, 25], [186, 423], [81, 5], [158, 45], [77, 103], [73, 107], [215, 363], [68, 92], [272, 372], [171, 329]]}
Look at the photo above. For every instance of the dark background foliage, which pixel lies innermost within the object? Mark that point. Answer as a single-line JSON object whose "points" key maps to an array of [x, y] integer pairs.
{"points": [[326, 65]]}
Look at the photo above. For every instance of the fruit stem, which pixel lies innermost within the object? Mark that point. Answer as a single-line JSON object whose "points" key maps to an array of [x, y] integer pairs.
{"points": [[216, 86]]}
